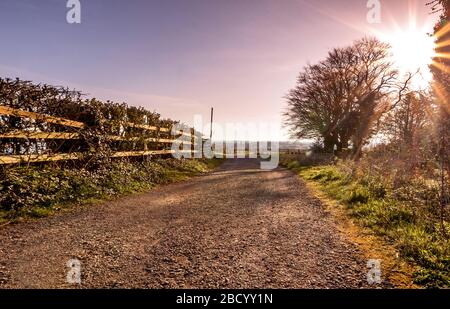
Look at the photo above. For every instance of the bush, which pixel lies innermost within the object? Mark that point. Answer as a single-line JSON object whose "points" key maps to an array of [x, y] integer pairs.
{"points": [[358, 194], [325, 174], [32, 190], [293, 165]]}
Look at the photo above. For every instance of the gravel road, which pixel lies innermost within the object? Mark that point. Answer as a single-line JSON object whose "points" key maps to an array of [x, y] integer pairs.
{"points": [[237, 227]]}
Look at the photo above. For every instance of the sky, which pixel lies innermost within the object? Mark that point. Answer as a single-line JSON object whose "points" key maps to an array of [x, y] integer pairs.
{"points": [[182, 57]]}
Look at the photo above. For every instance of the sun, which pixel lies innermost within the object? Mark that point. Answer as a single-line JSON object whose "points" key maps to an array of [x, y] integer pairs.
{"points": [[412, 51]]}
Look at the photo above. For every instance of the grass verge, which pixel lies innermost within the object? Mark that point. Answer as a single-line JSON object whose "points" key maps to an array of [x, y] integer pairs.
{"points": [[33, 192], [415, 236]]}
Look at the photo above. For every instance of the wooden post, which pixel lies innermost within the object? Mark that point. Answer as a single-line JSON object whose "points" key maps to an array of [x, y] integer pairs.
{"points": [[212, 118]]}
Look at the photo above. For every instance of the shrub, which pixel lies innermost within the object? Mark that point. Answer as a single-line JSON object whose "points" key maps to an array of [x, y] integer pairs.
{"points": [[31, 190], [357, 194], [293, 165]]}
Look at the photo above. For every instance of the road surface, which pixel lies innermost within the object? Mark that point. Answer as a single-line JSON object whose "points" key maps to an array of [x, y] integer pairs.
{"points": [[237, 227]]}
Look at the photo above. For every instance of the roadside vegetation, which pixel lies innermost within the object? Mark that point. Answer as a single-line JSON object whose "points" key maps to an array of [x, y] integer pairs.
{"points": [[37, 191], [403, 211], [382, 148]]}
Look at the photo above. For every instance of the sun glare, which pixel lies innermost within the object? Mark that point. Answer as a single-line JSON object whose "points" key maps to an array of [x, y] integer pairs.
{"points": [[412, 51]]}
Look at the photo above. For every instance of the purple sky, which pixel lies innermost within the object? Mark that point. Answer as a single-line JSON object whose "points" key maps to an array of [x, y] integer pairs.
{"points": [[180, 57]]}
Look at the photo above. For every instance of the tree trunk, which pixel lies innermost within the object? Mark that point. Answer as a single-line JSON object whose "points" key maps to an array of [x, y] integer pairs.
{"points": [[329, 142]]}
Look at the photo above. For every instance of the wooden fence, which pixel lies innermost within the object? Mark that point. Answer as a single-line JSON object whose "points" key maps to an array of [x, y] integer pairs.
{"points": [[163, 138]]}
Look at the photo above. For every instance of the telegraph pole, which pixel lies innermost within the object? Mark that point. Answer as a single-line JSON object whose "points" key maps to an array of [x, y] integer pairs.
{"points": [[211, 129]]}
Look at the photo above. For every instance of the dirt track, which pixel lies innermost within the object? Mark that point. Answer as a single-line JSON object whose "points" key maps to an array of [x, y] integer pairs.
{"points": [[238, 227]]}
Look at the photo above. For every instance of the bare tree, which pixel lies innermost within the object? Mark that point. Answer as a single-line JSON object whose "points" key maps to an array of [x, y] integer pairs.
{"points": [[440, 6], [341, 99], [313, 107], [413, 114]]}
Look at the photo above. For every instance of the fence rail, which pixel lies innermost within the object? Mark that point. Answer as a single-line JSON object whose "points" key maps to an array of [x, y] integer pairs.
{"points": [[74, 136], [8, 111]]}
